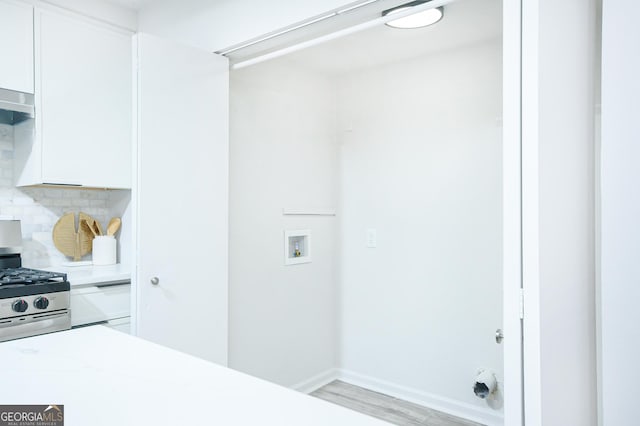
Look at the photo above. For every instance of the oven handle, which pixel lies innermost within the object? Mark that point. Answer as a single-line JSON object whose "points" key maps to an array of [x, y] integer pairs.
{"points": [[31, 325]]}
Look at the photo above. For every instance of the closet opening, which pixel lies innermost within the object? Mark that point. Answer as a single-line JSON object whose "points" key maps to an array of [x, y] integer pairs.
{"points": [[382, 152]]}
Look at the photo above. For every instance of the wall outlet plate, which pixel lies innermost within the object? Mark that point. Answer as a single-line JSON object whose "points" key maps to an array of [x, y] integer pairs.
{"points": [[297, 246]]}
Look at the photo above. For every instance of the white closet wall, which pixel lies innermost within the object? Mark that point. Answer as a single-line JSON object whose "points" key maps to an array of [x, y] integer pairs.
{"points": [[411, 149], [420, 162], [282, 319]]}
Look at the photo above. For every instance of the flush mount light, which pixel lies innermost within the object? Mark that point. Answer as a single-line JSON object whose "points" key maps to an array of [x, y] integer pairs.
{"points": [[417, 20]]}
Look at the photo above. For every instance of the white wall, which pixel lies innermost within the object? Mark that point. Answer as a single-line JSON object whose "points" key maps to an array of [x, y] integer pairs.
{"points": [[421, 163], [282, 319], [620, 229], [220, 24]]}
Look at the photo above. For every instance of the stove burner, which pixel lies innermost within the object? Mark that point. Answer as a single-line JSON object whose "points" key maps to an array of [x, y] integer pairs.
{"points": [[31, 301], [29, 276]]}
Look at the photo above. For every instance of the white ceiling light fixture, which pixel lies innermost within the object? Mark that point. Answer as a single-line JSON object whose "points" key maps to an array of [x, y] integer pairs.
{"points": [[417, 20]]}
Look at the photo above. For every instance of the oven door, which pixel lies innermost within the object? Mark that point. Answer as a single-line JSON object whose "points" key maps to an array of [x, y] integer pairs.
{"points": [[31, 325]]}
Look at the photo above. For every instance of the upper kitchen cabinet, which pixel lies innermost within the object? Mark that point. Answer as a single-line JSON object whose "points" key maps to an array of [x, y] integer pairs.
{"points": [[16, 29], [83, 125]]}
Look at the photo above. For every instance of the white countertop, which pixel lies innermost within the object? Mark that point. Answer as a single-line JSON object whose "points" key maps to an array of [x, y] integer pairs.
{"points": [[87, 275], [104, 377]]}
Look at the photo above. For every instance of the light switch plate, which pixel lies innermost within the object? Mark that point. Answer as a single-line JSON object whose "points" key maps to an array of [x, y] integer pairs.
{"points": [[372, 238]]}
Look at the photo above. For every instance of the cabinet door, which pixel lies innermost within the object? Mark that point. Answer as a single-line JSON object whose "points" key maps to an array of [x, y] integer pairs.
{"points": [[182, 194], [16, 31], [84, 90]]}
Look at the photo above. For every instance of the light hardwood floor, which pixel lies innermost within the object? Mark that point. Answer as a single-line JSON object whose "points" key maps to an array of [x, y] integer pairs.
{"points": [[384, 407]]}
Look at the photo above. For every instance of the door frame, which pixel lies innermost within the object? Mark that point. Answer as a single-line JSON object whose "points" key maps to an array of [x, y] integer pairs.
{"points": [[529, 128], [520, 200], [517, 226]]}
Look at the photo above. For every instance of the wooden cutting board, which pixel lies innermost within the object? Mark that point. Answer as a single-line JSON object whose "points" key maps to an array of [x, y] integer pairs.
{"points": [[71, 238]]}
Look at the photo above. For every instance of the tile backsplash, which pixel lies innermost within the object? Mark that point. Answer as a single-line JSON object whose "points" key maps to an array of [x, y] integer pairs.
{"points": [[39, 209]]}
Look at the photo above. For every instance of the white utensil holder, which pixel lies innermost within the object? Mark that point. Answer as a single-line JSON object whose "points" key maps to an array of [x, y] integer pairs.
{"points": [[104, 250]]}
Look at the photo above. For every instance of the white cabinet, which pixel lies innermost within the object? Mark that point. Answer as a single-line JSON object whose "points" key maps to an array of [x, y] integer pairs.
{"points": [[99, 303], [83, 122], [182, 193], [16, 31]]}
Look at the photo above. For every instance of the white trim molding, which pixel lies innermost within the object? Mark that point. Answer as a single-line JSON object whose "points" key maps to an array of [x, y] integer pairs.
{"points": [[532, 369], [316, 382], [512, 307]]}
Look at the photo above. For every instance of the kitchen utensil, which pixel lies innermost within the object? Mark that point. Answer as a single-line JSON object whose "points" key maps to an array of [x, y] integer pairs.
{"points": [[91, 221], [74, 242], [88, 226], [86, 237], [64, 236], [97, 229], [113, 226]]}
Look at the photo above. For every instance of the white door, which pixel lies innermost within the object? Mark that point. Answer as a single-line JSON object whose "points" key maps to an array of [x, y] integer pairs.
{"points": [[182, 193]]}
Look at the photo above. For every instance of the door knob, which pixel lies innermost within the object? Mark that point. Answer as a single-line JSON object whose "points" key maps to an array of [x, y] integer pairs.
{"points": [[499, 336], [155, 280]]}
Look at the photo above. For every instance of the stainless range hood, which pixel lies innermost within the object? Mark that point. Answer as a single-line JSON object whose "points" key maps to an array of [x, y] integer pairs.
{"points": [[15, 106]]}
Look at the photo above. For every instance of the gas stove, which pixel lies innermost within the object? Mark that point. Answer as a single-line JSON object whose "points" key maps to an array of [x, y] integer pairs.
{"points": [[28, 276], [31, 301]]}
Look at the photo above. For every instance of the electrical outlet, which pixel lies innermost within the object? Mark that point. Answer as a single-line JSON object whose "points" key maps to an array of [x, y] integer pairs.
{"points": [[372, 238]]}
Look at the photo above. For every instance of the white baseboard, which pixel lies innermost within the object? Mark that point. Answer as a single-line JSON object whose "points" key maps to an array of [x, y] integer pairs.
{"points": [[318, 381], [435, 402]]}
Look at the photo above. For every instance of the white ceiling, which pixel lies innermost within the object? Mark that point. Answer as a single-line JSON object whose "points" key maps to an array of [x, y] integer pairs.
{"points": [[465, 22]]}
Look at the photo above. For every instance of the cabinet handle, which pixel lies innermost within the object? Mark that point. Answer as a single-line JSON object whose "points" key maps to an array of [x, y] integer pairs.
{"points": [[155, 280], [499, 336]]}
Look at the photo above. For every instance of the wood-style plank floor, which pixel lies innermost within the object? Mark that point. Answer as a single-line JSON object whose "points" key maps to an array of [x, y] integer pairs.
{"points": [[384, 407]]}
